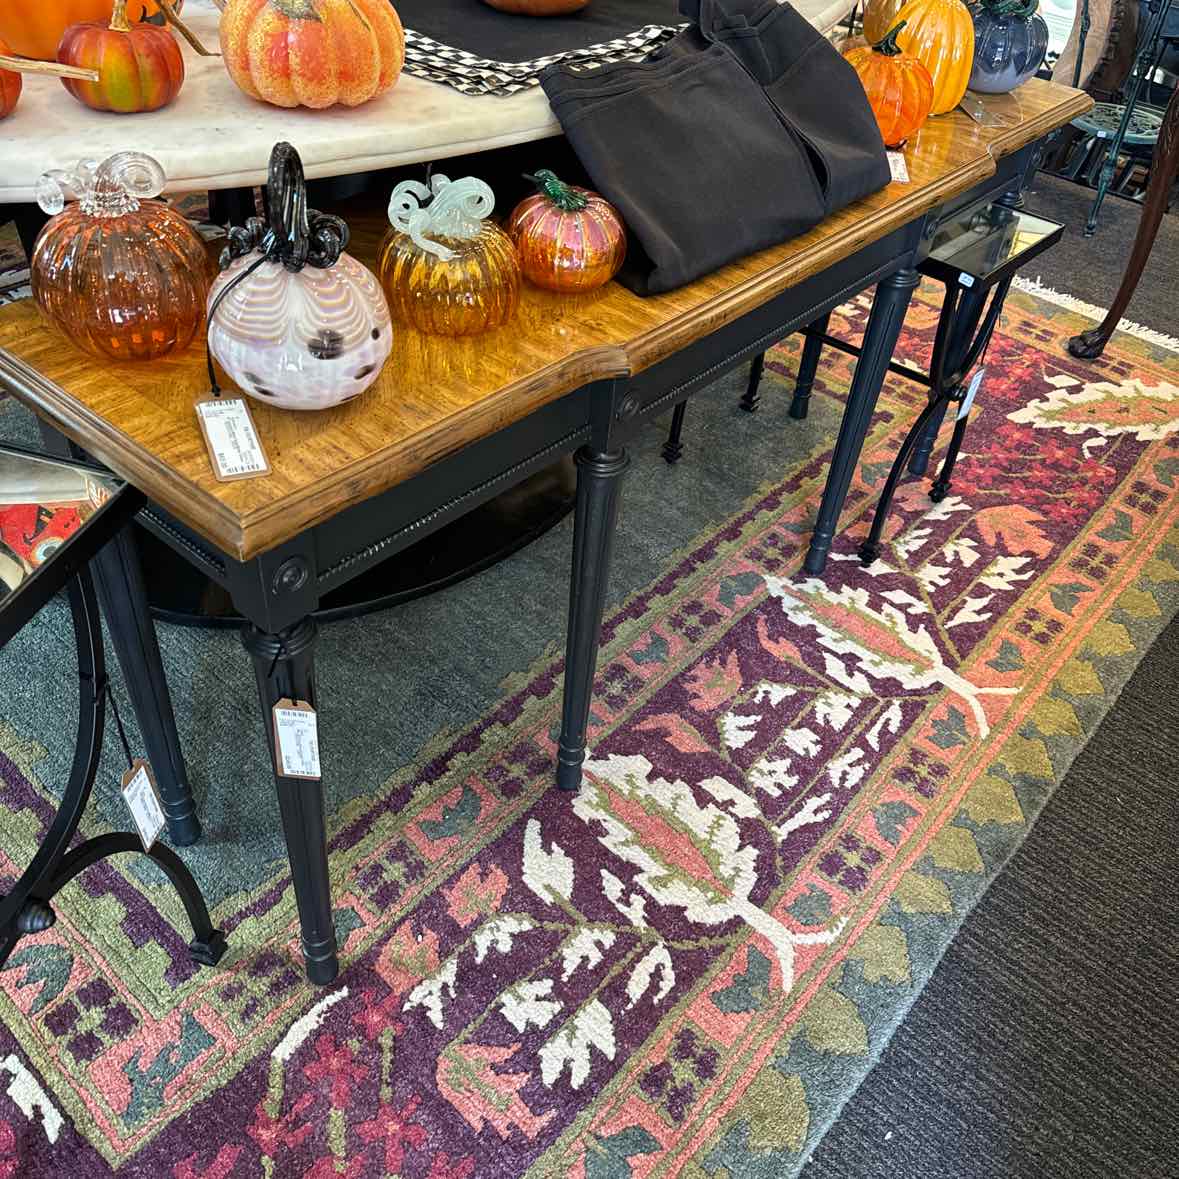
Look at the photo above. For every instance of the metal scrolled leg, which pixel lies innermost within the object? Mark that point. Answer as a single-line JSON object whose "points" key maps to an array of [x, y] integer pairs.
{"points": [[599, 483], [673, 447], [752, 395], [869, 550]]}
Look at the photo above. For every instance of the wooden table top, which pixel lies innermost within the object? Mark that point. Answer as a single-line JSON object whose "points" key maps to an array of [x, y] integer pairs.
{"points": [[437, 395]]}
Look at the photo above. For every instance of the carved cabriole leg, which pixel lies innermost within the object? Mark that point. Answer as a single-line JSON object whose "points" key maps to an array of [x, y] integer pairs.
{"points": [[1089, 345], [284, 667], [599, 481], [884, 328], [808, 366]]}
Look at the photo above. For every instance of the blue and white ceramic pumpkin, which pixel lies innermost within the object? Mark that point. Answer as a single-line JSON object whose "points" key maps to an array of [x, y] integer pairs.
{"points": [[1010, 41]]}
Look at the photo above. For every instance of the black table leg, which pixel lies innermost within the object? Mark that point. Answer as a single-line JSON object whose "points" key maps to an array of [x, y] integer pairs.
{"points": [[119, 579], [808, 366], [752, 394], [284, 666], [673, 446], [599, 479], [919, 459], [884, 328]]}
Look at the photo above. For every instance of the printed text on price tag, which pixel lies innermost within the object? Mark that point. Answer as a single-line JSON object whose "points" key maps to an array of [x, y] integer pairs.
{"points": [[143, 801], [296, 739], [234, 447]]}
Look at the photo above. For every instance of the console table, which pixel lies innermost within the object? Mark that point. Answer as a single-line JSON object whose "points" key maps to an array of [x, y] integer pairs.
{"points": [[450, 423]]}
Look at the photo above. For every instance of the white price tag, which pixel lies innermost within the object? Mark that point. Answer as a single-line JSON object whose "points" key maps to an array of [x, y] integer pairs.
{"points": [[971, 390], [898, 167], [296, 739], [139, 793], [234, 448]]}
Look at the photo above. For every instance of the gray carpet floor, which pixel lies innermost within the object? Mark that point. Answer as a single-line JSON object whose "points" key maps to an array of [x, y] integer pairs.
{"points": [[1045, 1045]]}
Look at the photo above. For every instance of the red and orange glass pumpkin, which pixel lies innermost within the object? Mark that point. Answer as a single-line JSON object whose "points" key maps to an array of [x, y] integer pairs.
{"points": [[898, 86], [569, 239]]}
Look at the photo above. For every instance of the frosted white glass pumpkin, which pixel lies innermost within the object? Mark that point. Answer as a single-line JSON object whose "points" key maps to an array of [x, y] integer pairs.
{"points": [[293, 320]]}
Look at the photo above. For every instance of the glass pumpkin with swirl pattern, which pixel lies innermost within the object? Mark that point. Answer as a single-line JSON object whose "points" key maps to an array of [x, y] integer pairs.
{"points": [[121, 275], [446, 269]]}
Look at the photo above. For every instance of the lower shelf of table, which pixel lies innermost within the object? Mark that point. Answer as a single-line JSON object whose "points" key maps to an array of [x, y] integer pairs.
{"points": [[178, 593]]}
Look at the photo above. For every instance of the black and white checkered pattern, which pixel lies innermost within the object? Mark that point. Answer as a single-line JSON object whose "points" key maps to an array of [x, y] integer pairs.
{"points": [[435, 62]]}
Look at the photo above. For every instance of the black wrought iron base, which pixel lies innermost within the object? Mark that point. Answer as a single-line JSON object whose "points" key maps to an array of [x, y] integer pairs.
{"points": [[177, 593]]}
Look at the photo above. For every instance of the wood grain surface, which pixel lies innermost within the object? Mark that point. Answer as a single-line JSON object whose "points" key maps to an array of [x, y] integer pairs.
{"points": [[437, 395]]}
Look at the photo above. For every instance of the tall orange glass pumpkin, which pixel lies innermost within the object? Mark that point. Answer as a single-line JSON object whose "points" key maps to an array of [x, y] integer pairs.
{"points": [[34, 27], [940, 34]]}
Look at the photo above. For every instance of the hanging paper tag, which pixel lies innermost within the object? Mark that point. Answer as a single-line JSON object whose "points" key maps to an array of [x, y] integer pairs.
{"points": [[143, 801], [234, 448], [296, 739], [898, 167], [971, 390]]}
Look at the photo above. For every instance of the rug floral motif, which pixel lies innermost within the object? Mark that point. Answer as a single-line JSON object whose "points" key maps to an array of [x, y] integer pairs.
{"points": [[797, 787]]}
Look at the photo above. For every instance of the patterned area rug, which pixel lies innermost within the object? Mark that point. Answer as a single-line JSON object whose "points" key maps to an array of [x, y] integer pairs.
{"points": [[797, 789]]}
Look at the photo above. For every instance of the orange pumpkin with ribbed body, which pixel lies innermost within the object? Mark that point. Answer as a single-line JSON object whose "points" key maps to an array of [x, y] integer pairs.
{"points": [[879, 17], [10, 87], [313, 53], [898, 86], [569, 239], [140, 66], [940, 34], [34, 27]]}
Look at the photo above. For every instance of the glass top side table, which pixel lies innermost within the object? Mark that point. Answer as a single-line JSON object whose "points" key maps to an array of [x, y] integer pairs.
{"points": [[55, 517]]}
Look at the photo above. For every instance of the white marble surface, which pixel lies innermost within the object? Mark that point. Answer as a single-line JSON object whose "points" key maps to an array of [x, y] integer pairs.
{"points": [[213, 136]]}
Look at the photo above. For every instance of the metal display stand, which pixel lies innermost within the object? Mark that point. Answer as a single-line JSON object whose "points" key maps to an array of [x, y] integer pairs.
{"points": [[27, 582]]}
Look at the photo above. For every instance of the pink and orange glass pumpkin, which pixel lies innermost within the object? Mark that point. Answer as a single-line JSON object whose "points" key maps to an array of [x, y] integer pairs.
{"points": [[313, 53], [569, 239], [120, 274], [898, 86]]}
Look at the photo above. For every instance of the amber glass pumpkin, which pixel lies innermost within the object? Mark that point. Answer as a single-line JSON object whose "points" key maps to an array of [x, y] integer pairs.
{"points": [[898, 86], [121, 275], [445, 267], [568, 238], [879, 17], [34, 27], [940, 34], [140, 66], [313, 53]]}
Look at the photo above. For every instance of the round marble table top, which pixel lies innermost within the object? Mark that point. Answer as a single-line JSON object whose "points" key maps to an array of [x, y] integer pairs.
{"points": [[214, 137]]}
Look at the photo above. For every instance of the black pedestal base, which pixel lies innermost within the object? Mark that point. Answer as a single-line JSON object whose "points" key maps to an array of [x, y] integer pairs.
{"points": [[482, 538]]}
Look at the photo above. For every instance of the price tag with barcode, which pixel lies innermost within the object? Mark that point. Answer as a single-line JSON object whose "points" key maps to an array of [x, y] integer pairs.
{"points": [[143, 801], [898, 167], [234, 447], [971, 390], [296, 739]]}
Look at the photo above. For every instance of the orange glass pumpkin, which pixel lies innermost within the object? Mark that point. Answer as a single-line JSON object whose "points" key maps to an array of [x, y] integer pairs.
{"points": [[34, 27], [898, 86], [940, 34], [446, 269], [140, 66], [10, 87], [313, 53], [879, 17], [121, 275], [569, 239]]}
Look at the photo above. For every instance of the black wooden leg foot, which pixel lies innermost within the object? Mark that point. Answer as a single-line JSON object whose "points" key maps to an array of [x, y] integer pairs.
{"points": [[673, 448], [939, 491], [599, 481], [1088, 345], [868, 552], [284, 667], [884, 327], [808, 366], [752, 395]]}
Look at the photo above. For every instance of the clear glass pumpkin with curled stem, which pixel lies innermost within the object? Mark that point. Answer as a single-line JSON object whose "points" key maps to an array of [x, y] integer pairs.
{"points": [[446, 269], [121, 275]]}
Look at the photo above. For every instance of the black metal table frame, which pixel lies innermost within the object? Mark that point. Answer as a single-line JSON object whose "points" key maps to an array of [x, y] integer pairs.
{"points": [[278, 590], [26, 909]]}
